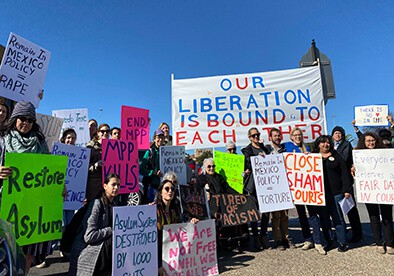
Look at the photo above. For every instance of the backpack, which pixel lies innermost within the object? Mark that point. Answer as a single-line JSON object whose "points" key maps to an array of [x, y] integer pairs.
{"points": [[71, 230]]}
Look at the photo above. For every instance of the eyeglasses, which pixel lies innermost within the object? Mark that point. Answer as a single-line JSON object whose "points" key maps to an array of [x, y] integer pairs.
{"points": [[232, 149], [26, 119], [370, 141], [211, 166], [104, 131], [167, 189], [256, 135]]}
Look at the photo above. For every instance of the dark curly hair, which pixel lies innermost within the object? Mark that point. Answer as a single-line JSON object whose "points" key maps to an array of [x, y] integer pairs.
{"points": [[322, 139], [361, 141]]}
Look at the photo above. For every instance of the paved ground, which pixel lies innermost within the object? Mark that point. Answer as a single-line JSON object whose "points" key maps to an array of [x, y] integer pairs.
{"points": [[361, 259]]}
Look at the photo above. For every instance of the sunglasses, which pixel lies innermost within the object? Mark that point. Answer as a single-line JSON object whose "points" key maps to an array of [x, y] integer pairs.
{"points": [[211, 166], [256, 135], [27, 119], [167, 189], [232, 149], [104, 130]]}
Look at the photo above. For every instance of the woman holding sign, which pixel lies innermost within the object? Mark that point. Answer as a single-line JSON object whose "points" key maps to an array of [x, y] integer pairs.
{"points": [[91, 253], [255, 148], [297, 145], [380, 215], [23, 135], [337, 186]]}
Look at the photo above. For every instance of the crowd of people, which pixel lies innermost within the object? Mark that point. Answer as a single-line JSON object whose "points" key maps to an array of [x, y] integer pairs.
{"points": [[91, 251]]}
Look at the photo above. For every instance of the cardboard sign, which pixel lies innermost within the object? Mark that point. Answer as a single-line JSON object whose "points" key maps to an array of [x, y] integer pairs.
{"points": [[305, 175], [231, 210], [76, 119], [134, 240], [76, 173], [271, 183], [23, 70], [190, 249], [231, 167], [50, 127], [374, 179], [135, 126], [173, 159], [193, 202], [32, 198], [208, 112], [121, 157], [371, 115]]}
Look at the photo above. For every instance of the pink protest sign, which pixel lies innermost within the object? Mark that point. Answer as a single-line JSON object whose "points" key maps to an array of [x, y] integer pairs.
{"points": [[135, 125], [190, 249], [121, 157]]}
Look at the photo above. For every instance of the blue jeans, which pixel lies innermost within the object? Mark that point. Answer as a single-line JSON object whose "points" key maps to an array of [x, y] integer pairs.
{"points": [[335, 212]]}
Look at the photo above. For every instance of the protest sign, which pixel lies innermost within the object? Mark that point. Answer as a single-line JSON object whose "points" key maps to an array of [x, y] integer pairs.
{"points": [[50, 127], [193, 202], [23, 70], [208, 112], [173, 159], [374, 177], [134, 240], [76, 119], [135, 125], [272, 186], [190, 249], [231, 167], [32, 198], [121, 157], [231, 210], [371, 115], [305, 175], [76, 173]]}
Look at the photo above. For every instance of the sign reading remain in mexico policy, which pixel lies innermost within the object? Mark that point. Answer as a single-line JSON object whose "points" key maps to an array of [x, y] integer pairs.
{"points": [[208, 112]]}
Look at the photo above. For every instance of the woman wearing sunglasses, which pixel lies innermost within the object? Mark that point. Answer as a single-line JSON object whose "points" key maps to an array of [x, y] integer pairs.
{"points": [[94, 183], [23, 135], [168, 212], [255, 148]]}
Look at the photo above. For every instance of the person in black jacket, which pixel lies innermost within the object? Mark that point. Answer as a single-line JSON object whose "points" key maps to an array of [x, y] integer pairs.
{"points": [[255, 148], [344, 148]]}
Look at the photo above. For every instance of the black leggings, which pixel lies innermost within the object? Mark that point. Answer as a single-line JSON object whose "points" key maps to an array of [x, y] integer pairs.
{"points": [[374, 212]]}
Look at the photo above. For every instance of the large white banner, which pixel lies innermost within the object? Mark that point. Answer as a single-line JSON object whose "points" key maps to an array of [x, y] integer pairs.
{"points": [[208, 112], [305, 175], [76, 119], [272, 186], [23, 70], [50, 127], [173, 159], [371, 115], [76, 174], [374, 175], [134, 240], [190, 249]]}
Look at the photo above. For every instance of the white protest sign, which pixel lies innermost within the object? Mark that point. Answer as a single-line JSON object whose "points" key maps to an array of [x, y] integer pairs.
{"points": [[374, 179], [76, 119], [305, 175], [23, 70], [134, 240], [208, 112], [190, 249], [271, 183], [172, 159], [371, 115], [50, 127], [76, 174]]}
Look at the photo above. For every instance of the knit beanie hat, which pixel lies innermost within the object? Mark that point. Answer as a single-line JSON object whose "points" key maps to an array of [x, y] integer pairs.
{"points": [[25, 109], [340, 129]]}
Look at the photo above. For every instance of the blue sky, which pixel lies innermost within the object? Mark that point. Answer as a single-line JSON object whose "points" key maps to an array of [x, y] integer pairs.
{"points": [[111, 53]]}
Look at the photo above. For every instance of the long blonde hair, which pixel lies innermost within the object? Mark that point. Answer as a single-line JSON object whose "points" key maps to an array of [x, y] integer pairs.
{"points": [[302, 146]]}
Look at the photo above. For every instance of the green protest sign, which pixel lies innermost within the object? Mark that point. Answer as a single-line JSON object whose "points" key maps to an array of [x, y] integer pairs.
{"points": [[32, 197], [231, 166]]}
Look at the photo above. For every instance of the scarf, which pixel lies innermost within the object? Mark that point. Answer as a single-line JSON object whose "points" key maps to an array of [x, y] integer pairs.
{"points": [[15, 142]]}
